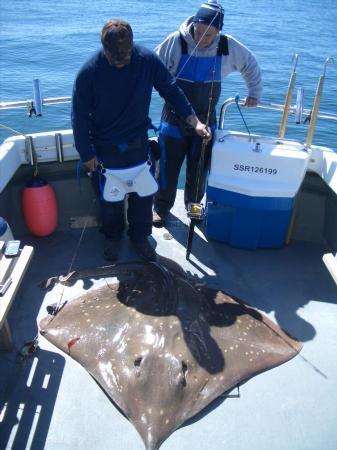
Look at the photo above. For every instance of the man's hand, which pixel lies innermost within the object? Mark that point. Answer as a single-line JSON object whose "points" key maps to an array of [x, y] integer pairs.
{"points": [[250, 102], [200, 128], [203, 131], [91, 164]]}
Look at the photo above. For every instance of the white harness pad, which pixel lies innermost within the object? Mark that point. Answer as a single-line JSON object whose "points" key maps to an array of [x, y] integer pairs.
{"points": [[119, 182]]}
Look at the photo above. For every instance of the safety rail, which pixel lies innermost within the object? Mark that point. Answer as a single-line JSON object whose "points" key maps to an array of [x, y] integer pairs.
{"points": [[29, 103], [35, 104], [273, 107]]}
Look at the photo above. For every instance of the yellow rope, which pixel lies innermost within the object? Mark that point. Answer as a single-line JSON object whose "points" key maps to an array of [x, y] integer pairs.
{"points": [[11, 129]]}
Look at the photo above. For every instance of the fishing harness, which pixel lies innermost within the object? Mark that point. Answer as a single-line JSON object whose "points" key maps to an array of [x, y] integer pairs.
{"points": [[116, 183], [222, 49]]}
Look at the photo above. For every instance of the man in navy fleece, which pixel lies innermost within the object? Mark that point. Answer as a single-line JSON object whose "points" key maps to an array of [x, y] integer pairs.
{"points": [[110, 118]]}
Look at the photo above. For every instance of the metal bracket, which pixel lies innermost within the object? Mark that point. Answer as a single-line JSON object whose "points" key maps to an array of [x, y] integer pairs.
{"points": [[29, 150], [257, 148], [59, 147]]}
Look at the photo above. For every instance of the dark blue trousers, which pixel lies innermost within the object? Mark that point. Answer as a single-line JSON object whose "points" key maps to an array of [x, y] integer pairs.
{"points": [[139, 209], [174, 150]]}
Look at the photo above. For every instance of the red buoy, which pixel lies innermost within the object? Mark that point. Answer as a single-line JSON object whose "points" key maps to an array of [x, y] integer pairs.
{"points": [[39, 207]]}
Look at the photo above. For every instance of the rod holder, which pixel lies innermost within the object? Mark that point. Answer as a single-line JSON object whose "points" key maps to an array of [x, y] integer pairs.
{"points": [[317, 100], [286, 108], [299, 105], [59, 147], [30, 150], [37, 97]]}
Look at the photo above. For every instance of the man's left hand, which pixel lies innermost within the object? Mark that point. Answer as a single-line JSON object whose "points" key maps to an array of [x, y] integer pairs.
{"points": [[203, 131], [251, 102], [200, 128]]}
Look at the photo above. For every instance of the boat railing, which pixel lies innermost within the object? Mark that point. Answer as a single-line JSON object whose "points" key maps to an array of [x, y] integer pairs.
{"points": [[273, 107], [35, 104], [31, 104]]}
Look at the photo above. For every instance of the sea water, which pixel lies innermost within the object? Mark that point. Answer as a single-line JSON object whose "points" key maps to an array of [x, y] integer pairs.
{"points": [[50, 40]]}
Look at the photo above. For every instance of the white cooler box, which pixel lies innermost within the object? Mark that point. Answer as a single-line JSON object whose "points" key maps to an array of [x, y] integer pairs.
{"points": [[251, 189]]}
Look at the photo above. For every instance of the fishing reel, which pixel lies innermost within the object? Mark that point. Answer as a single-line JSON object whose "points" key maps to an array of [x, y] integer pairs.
{"points": [[196, 211]]}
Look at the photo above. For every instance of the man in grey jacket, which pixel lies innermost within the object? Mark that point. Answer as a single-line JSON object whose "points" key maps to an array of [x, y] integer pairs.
{"points": [[199, 57]]}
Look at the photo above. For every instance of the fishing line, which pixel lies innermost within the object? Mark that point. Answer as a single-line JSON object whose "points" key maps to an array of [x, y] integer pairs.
{"points": [[20, 133], [237, 98], [81, 236], [59, 304], [200, 167], [30, 347], [74, 255], [35, 174], [204, 145], [197, 45], [12, 129]]}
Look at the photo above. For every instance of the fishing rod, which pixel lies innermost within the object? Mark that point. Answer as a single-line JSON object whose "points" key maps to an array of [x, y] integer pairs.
{"points": [[286, 108], [299, 105], [314, 113], [195, 210]]}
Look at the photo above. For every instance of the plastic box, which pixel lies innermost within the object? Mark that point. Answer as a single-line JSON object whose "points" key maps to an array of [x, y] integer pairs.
{"points": [[251, 191]]}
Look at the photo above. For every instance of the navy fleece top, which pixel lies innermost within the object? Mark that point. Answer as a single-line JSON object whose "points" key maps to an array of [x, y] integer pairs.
{"points": [[111, 106]]}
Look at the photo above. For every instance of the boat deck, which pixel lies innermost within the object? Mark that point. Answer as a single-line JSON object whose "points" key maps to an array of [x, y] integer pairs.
{"points": [[50, 402]]}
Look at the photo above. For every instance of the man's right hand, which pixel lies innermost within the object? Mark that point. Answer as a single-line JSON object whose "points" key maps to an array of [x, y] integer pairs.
{"points": [[91, 164]]}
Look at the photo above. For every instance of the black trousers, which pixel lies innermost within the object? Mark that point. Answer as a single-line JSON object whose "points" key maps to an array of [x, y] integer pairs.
{"points": [[173, 152], [139, 210]]}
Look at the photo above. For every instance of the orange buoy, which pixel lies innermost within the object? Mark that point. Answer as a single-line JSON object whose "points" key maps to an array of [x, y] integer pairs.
{"points": [[39, 207]]}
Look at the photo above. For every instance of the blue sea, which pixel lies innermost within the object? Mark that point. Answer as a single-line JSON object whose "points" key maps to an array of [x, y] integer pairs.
{"points": [[49, 40]]}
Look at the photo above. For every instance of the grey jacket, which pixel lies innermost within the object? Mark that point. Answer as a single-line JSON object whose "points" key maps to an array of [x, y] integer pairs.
{"points": [[240, 58]]}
